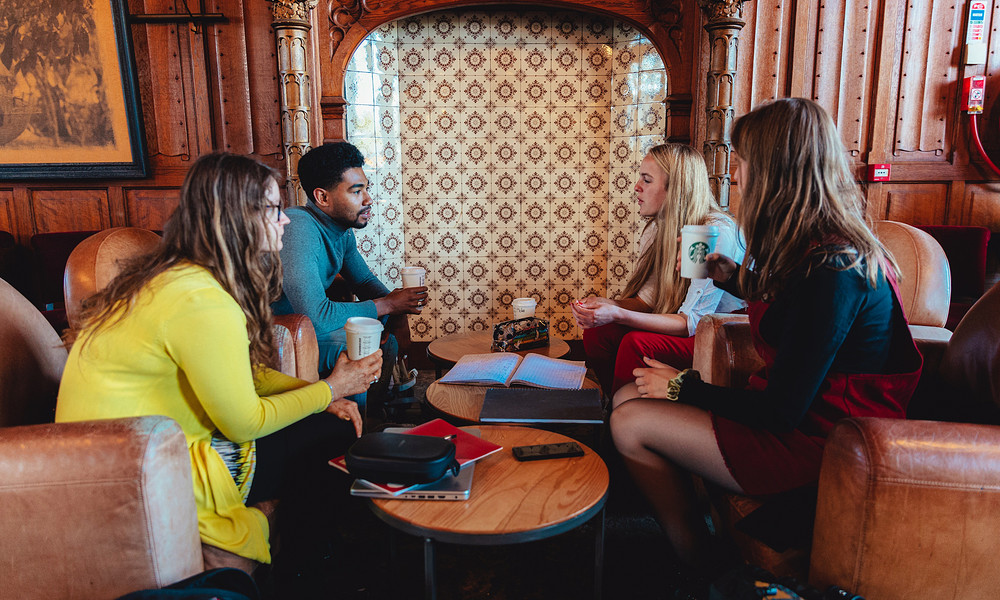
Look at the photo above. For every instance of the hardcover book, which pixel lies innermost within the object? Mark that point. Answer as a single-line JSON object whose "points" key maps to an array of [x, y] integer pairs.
{"points": [[522, 405]]}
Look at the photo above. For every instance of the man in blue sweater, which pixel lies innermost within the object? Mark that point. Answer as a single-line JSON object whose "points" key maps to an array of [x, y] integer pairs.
{"points": [[319, 243]]}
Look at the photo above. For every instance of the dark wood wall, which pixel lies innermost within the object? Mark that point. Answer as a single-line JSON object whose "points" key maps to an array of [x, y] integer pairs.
{"points": [[204, 88], [888, 71]]}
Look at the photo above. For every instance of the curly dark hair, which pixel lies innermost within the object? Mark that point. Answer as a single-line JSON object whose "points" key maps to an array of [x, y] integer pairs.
{"points": [[324, 166]]}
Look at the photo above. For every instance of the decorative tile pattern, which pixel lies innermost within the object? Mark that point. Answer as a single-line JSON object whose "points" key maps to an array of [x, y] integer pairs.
{"points": [[502, 149]]}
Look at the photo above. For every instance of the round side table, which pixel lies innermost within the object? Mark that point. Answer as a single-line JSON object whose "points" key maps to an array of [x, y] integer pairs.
{"points": [[511, 501]]}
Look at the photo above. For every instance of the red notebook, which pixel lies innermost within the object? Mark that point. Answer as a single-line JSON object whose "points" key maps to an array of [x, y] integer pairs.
{"points": [[468, 449]]}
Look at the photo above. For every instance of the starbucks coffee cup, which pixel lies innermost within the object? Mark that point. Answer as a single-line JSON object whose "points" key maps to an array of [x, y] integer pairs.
{"points": [[413, 276], [523, 307], [697, 242], [363, 336]]}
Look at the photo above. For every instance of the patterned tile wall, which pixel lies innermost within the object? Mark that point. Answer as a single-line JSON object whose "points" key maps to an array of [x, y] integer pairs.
{"points": [[503, 148]]}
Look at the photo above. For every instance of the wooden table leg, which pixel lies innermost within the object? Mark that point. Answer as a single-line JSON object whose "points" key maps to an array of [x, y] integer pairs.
{"points": [[430, 585], [599, 556]]}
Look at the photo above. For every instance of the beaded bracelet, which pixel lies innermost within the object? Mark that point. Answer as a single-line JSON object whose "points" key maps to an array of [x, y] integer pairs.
{"points": [[333, 394]]}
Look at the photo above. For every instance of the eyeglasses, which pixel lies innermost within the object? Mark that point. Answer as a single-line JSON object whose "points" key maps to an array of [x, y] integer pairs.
{"points": [[273, 211]]}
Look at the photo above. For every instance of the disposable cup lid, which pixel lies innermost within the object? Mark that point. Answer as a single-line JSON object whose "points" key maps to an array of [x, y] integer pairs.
{"points": [[704, 229], [409, 270], [363, 325], [520, 301]]}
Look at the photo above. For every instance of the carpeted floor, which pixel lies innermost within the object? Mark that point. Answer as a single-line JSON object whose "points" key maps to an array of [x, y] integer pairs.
{"points": [[637, 563]]}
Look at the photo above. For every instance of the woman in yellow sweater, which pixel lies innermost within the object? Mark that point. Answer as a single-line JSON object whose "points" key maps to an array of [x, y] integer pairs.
{"points": [[185, 332]]}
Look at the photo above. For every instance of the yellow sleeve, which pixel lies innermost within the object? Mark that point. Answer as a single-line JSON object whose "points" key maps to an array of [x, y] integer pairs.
{"points": [[207, 338], [270, 381]]}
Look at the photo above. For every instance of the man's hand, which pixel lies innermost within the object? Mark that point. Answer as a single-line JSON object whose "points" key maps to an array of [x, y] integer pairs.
{"points": [[351, 377], [347, 410], [652, 382], [402, 301], [720, 267]]}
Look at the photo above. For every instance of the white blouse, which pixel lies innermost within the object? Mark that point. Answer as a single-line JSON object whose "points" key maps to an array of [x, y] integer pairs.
{"points": [[703, 298]]}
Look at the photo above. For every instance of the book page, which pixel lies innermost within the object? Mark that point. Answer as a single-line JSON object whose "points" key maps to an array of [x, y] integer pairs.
{"points": [[494, 368], [553, 373]]}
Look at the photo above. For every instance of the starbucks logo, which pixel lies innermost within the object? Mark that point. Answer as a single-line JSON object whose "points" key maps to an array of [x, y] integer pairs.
{"points": [[697, 252]]}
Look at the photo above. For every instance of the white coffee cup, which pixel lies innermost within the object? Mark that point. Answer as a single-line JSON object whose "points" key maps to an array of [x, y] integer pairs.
{"points": [[697, 242], [523, 307], [363, 336], [413, 276]]}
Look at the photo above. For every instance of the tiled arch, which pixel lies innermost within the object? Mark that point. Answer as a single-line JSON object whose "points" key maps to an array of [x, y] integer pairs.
{"points": [[502, 148]]}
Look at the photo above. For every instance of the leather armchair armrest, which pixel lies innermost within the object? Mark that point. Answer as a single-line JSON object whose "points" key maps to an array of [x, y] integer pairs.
{"points": [[723, 350], [96, 509], [298, 350], [909, 509]]}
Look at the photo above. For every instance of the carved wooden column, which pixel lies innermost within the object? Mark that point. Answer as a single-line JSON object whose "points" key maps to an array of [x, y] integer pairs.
{"points": [[291, 26], [724, 25]]}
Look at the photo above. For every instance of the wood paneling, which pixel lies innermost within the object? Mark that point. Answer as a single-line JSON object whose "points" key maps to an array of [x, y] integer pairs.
{"points": [[70, 210], [889, 72], [983, 206], [928, 72], [7, 211], [918, 205], [150, 208]]}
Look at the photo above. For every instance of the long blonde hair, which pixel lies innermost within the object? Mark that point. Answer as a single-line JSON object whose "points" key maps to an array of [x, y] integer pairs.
{"points": [[219, 225], [689, 201], [801, 201]]}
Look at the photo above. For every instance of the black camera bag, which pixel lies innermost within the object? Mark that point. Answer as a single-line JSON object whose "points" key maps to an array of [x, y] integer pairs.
{"points": [[401, 458]]}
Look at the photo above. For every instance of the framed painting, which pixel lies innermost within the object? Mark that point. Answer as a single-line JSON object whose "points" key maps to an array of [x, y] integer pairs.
{"points": [[71, 107]]}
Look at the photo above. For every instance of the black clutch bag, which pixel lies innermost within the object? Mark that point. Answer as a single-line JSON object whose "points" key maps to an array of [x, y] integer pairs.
{"points": [[401, 458]]}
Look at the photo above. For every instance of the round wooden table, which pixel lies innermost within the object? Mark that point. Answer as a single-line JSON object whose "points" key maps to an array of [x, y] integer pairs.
{"points": [[446, 350], [466, 401], [511, 501]]}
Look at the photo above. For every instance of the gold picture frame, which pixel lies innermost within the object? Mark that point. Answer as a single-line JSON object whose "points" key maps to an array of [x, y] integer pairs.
{"points": [[72, 109]]}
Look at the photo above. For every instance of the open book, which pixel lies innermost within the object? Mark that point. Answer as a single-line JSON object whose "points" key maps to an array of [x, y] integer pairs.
{"points": [[506, 368], [468, 449]]}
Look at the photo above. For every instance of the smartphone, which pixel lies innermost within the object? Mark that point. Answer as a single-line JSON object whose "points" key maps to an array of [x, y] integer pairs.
{"points": [[544, 451]]}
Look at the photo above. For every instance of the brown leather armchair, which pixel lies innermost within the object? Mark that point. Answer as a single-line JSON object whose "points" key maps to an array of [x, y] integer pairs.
{"points": [[96, 261], [911, 509], [905, 509], [90, 509]]}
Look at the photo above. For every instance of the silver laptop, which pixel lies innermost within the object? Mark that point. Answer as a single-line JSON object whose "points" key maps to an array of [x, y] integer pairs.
{"points": [[452, 487]]}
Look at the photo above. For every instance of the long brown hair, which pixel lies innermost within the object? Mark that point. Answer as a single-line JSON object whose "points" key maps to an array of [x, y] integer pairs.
{"points": [[689, 201], [218, 225], [799, 197]]}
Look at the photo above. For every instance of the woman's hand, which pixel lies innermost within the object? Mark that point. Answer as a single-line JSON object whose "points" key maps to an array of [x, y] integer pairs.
{"points": [[652, 382], [720, 267], [351, 377], [347, 410], [594, 312]]}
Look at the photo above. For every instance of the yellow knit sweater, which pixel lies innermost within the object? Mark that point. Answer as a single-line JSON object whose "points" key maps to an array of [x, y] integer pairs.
{"points": [[182, 351]]}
